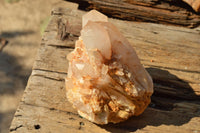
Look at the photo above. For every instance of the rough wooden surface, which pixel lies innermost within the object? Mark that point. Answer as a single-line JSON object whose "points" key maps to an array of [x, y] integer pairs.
{"points": [[174, 12], [170, 54]]}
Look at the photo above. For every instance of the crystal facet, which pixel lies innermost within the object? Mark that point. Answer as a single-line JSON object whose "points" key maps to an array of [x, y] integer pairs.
{"points": [[106, 81]]}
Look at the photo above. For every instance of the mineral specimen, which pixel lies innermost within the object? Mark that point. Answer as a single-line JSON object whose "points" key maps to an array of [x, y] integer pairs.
{"points": [[195, 4], [106, 81]]}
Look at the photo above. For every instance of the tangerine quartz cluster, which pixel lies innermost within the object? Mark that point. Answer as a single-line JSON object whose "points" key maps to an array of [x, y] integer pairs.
{"points": [[106, 81]]}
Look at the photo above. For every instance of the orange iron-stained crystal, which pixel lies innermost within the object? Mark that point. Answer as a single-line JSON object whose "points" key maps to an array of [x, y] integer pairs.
{"points": [[106, 81]]}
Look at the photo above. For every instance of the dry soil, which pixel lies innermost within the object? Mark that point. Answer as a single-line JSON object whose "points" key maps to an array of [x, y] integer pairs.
{"points": [[21, 23]]}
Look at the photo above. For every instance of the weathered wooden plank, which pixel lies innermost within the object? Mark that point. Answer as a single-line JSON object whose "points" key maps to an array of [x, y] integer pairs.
{"points": [[46, 91], [44, 103], [159, 38], [60, 121], [165, 50], [44, 107], [166, 11], [34, 119], [57, 121], [52, 58]]}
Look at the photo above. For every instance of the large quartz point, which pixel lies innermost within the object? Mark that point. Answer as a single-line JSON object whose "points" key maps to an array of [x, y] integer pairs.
{"points": [[106, 81]]}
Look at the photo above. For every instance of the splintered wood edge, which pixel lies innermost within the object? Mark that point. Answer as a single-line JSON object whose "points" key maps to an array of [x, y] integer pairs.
{"points": [[167, 12]]}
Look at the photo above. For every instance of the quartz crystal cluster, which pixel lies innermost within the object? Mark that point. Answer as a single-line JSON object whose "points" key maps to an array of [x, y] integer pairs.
{"points": [[106, 81]]}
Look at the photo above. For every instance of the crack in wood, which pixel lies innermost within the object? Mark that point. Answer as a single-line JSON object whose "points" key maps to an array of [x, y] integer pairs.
{"points": [[3, 43], [171, 29], [49, 108], [17, 115], [170, 68], [15, 129], [61, 46], [50, 71], [39, 75]]}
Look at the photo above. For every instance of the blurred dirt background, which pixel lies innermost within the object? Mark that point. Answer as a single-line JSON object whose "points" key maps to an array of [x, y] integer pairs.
{"points": [[21, 23]]}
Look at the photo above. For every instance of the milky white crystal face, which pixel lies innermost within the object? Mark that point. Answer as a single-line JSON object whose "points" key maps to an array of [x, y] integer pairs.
{"points": [[106, 81], [93, 16], [96, 37]]}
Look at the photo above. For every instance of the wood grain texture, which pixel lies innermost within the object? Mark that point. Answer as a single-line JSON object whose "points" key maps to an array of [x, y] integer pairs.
{"points": [[170, 54], [174, 12]]}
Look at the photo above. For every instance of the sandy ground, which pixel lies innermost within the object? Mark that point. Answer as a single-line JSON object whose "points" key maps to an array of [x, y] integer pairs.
{"points": [[20, 24]]}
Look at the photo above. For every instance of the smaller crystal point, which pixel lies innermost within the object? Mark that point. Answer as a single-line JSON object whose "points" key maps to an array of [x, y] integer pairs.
{"points": [[106, 81], [93, 16]]}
